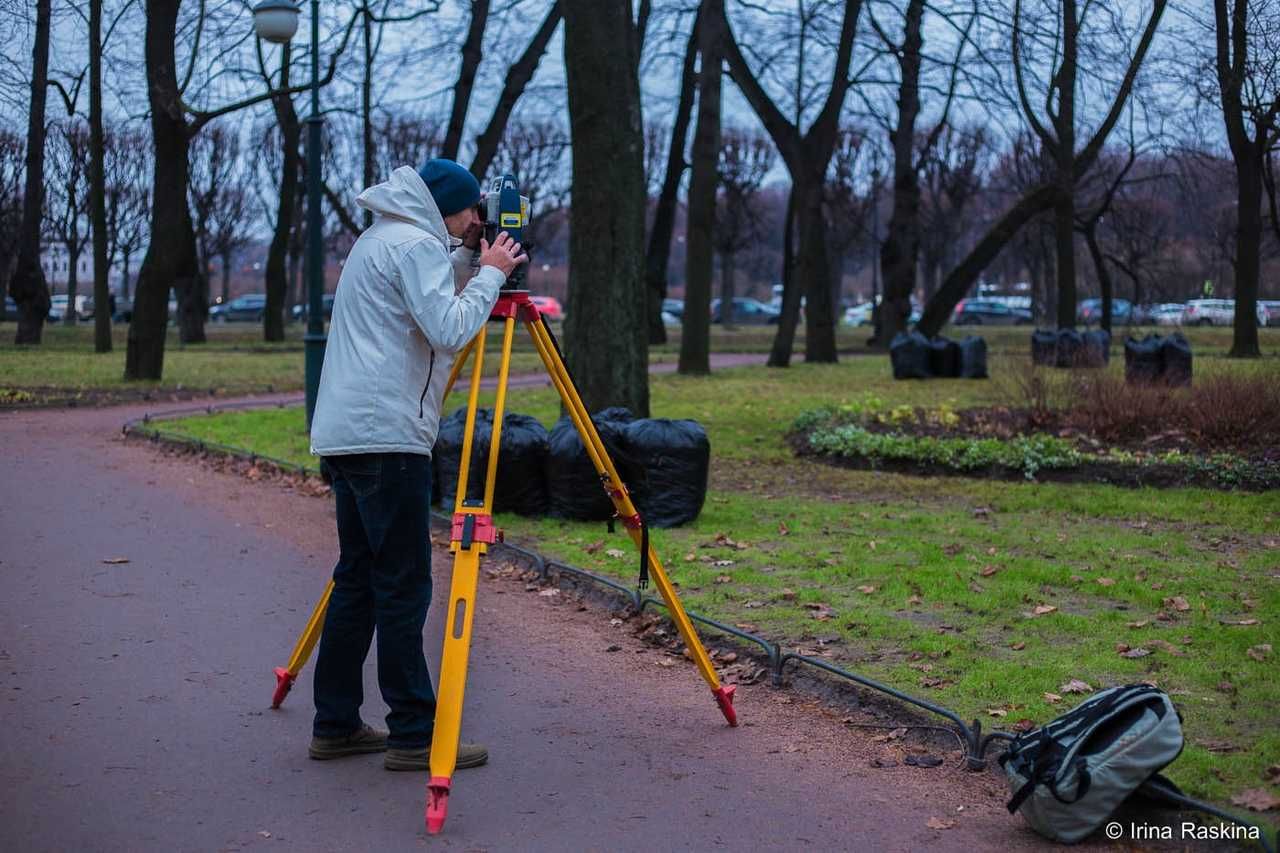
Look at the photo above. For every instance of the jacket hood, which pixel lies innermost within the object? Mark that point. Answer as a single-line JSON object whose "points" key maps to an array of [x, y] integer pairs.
{"points": [[404, 196]]}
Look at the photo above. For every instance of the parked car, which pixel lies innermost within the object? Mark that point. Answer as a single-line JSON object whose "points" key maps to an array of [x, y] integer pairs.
{"points": [[669, 319], [747, 312], [1089, 311], [299, 312], [10, 309], [1270, 312], [57, 309], [549, 307], [247, 308], [858, 315], [674, 307], [1169, 314], [987, 312], [1209, 312]]}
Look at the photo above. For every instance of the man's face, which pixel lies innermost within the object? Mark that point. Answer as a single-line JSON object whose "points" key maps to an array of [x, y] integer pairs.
{"points": [[458, 223]]}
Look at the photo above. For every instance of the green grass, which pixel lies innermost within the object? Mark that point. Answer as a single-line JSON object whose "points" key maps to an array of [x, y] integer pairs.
{"points": [[951, 567]]}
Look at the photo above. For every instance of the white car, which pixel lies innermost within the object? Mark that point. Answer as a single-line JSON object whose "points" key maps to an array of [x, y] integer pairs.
{"points": [[858, 315], [1167, 315], [1271, 312]]}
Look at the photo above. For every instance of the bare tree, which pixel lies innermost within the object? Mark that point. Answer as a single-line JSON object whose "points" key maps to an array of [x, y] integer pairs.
{"points": [[845, 202], [745, 159], [695, 338], [219, 202], [806, 154], [606, 344], [290, 134], [534, 151], [12, 154], [128, 199], [27, 286], [952, 175], [67, 204]]}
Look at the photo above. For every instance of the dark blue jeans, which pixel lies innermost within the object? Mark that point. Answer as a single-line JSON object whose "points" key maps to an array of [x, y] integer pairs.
{"points": [[382, 580]]}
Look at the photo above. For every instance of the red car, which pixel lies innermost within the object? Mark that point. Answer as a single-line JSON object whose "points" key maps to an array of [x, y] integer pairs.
{"points": [[549, 307]]}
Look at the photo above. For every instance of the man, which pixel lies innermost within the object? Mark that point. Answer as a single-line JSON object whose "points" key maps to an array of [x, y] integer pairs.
{"points": [[405, 305]]}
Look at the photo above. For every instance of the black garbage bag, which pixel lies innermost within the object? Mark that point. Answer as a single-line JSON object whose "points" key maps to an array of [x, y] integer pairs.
{"points": [[520, 486], [1096, 351], [1070, 348], [909, 353], [1044, 347], [1142, 359], [573, 486], [676, 457], [446, 456], [973, 358], [1175, 360], [944, 357]]}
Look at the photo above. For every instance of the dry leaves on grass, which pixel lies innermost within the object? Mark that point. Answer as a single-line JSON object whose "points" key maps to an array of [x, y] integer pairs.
{"points": [[866, 589], [723, 579], [616, 553], [594, 546], [1106, 582], [782, 529], [1178, 603], [1257, 799], [1259, 652], [989, 570], [1238, 621], [1075, 685], [1018, 646], [1126, 652], [1041, 610], [819, 611], [1052, 698]]}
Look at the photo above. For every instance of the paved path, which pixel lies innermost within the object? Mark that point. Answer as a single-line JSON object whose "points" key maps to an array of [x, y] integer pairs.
{"points": [[134, 696]]}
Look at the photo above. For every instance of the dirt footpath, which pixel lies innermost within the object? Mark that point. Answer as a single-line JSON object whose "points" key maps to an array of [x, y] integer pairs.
{"points": [[135, 695]]}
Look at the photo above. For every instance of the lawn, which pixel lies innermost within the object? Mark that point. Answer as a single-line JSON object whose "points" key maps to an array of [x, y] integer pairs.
{"points": [[987, 597]]}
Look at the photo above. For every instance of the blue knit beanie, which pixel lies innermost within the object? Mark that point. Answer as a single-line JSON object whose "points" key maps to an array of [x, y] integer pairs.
{"points": [[453, 187]]}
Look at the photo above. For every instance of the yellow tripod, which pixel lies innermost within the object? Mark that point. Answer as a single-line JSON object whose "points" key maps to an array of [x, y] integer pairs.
{"points": [[473, 531]]}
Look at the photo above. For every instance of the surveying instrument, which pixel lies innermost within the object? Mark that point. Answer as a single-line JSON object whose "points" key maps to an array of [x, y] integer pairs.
{"points": [[472, 530]]}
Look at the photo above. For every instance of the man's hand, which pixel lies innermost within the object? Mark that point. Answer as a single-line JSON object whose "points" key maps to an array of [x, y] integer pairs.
{"points": [[503, 254], [472, 235]]}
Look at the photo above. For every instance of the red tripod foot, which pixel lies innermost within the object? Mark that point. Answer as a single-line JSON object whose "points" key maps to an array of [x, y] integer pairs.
{"points": [[437, 803], [724, 698], [284, 681]]}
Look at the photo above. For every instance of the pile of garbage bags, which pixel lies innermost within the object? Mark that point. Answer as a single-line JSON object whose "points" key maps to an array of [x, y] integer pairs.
{"points": [[1155, 359], [1070, 348], [915, 356]]}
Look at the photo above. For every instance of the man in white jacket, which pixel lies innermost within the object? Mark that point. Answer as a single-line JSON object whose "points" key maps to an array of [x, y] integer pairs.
{"points": [[406, 303]]}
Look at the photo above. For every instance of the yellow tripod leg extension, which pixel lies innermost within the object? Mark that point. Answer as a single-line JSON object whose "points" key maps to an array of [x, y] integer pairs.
{"points": [[628, 514], [472, 533], [286, 675]]}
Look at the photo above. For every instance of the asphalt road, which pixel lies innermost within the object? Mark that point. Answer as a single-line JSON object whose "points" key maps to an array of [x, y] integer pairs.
{"points": [[134, 695]]}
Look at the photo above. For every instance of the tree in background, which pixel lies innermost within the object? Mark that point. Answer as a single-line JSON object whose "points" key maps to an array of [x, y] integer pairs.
{"points": [[67, 200], [952, 175], [128, 199], [745, 160], [12, 154], [27, 286], [605, 340], [695, 338], [845, 204], [806, 155], [290, 137], [534, 151], [219, 202]]}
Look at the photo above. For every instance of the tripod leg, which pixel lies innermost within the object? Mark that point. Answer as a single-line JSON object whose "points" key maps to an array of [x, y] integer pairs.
{"points": [[459, 362], [286, 675], [627, 513], [472, 533]]}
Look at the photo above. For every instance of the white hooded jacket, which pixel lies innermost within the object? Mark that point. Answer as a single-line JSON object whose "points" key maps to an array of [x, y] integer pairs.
{"points": [[403, 309]]}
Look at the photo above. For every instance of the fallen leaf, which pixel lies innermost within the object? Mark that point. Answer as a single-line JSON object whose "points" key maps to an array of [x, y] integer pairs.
{"points": [[915, 600], [115, 561], [1075, 685], [1134, 653], [939, 823], [923, 761], [782, 528], [264, 833], [1178, 603], [1106, 582], [989, 570], [1272, 773], [787, 594], [1018, 646], [614, 648], [1141, 624], [723, 579], [549, 593], [1257, 799], [1259, 652], [667, 662], [616, 553], [952, 549], [866, 589], [1042, 609], [1052, 698], [930, 681], [728, 657], [594, 546], [723, 563], [997, 712], [690, 557], [1167, 647], [1226, 687], [991, 552], [1238, 621], [1024, 725]]}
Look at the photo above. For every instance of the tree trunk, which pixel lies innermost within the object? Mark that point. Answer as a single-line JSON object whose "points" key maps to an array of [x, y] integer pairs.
{"points": [[73, 275], [125, 272], [98, 186], [170, 261], [959, 280], [225, 258], [27, 286], [658, 256], [366, 113], [902, 243], [277, 278], [471, 52], [726, 290], [814, 270], [1244, 337], [784, 338], [695, 338], [1064, 216], [1104, 277], [606, 344]]}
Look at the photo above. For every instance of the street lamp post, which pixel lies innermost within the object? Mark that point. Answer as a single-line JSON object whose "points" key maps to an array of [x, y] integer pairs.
{"points": [[277, 21]]}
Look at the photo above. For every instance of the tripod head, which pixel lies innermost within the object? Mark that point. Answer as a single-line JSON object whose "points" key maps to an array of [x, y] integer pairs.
{"points": [[507, 210]]}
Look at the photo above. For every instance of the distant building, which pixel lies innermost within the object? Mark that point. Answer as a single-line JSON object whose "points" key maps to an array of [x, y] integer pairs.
{"points": [[57, 269]]}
